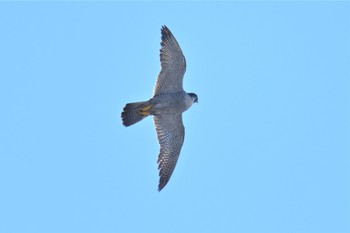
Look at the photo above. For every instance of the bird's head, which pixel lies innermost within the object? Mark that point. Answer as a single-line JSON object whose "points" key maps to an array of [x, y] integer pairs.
{"points": [[194, 97]]}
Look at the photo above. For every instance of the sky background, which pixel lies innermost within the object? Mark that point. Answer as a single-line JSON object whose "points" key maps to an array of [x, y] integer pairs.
{"points": [[267, 148]]}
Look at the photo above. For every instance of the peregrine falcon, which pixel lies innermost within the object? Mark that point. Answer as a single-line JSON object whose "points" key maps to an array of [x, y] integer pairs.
{"points": [[166, 106]]}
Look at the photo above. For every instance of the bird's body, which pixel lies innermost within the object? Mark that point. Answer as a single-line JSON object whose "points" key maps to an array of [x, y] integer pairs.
{"points": [[176, 103], [168, 103]]}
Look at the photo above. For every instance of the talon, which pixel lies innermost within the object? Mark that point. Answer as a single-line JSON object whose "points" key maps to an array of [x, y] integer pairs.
{"points": [[144, 111]]}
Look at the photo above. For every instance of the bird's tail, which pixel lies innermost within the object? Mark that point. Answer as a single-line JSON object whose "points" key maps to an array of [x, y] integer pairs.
{"points": [[135, 112]]}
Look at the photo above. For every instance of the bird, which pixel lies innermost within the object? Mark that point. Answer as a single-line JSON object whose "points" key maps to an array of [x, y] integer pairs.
{"points": [[167, 104]]}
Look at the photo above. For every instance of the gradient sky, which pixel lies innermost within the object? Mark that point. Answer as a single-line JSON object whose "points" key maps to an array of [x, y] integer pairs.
{"points": [[267, 148]]}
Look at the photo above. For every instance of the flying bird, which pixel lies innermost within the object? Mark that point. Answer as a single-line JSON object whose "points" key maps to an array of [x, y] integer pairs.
{"points": [[166, 106]]}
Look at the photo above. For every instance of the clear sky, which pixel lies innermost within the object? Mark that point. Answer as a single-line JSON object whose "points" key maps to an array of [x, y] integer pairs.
{"points": [[267, 148]]}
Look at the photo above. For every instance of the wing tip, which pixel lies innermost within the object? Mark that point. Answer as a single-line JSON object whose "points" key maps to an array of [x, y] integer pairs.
{"points": [[165, 31], [164, 28], [162, 183]]}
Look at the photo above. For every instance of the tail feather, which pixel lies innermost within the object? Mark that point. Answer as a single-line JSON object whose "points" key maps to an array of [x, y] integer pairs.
{"points": [[134, 112]]}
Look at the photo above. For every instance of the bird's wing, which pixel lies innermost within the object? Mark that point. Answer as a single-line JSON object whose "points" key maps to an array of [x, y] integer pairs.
{"points": [[173, 65], [171, 134]]}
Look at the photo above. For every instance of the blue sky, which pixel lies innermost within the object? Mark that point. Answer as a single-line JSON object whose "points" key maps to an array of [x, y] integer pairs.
{"points": [[267, 148]]}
